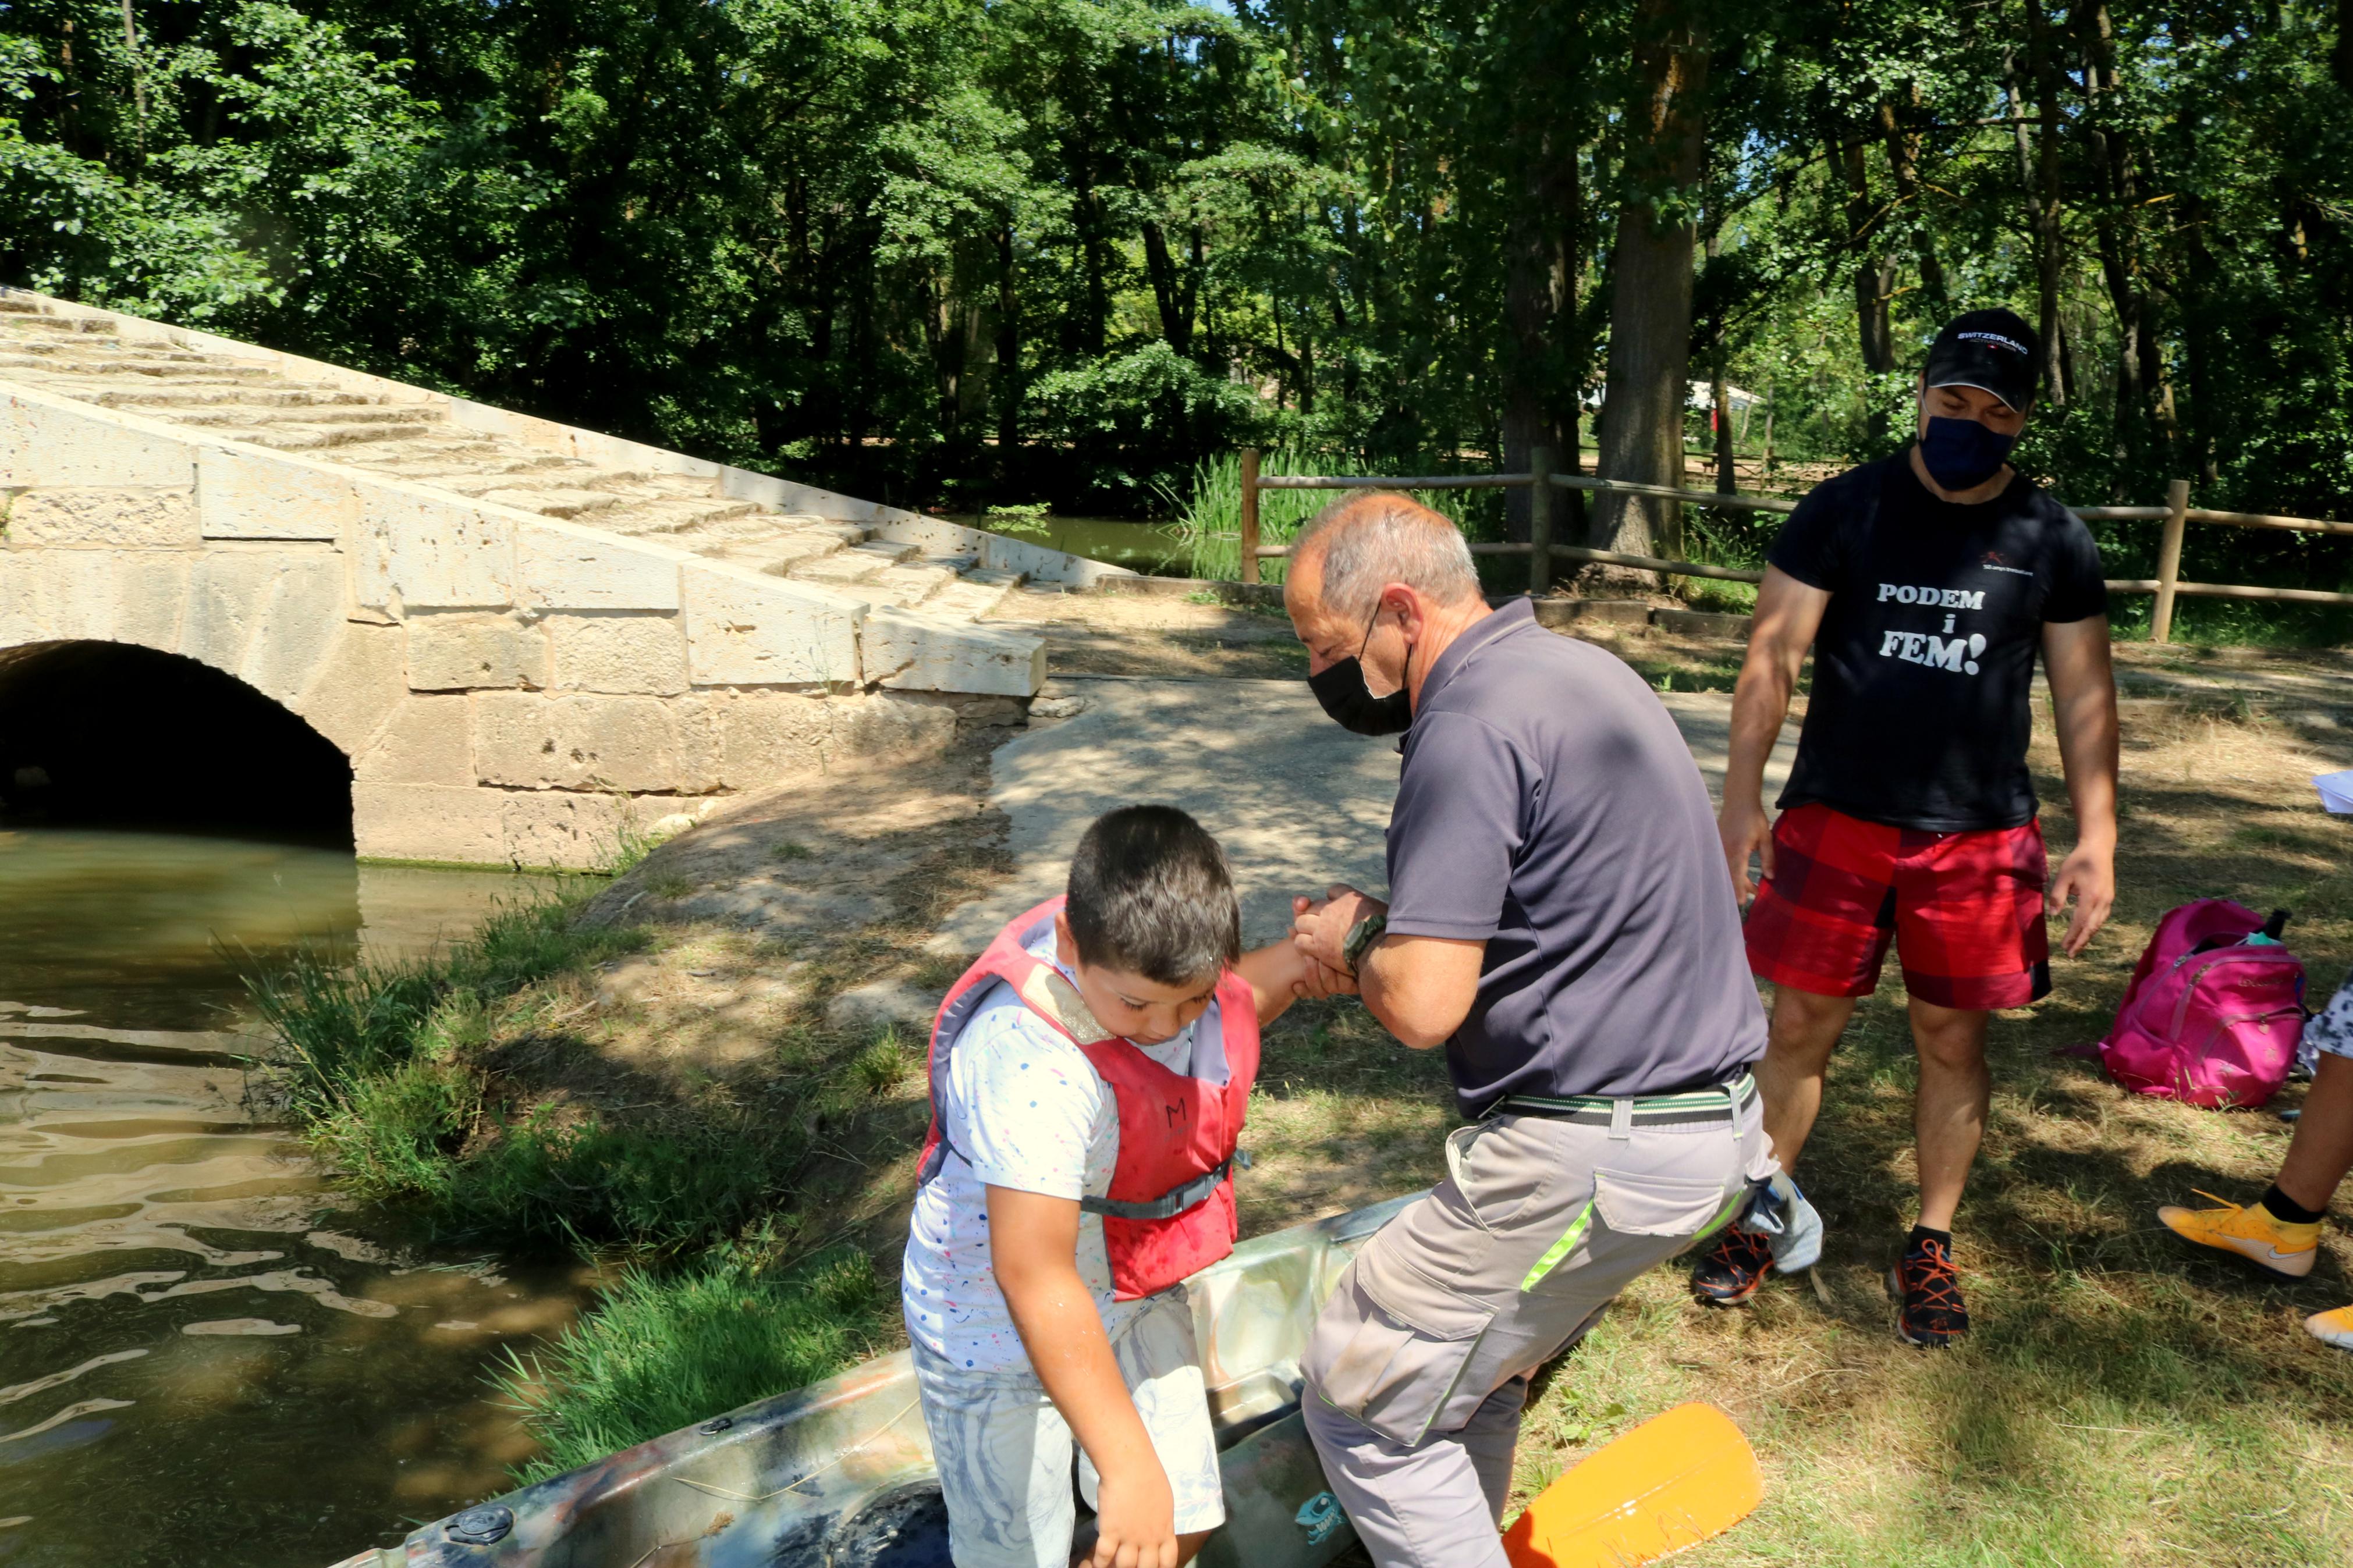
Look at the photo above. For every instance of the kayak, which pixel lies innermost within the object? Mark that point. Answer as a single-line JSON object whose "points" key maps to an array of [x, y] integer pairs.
{"points": [[839, 1474]]}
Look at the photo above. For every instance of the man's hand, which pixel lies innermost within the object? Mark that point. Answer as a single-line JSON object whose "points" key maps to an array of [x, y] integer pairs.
{"points": [[1281, 973], [1322, 928], [2089, 876], [1744, 830], [1135, 1518]]}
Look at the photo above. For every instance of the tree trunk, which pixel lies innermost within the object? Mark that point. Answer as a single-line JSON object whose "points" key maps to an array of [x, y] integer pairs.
{"points": [[1174, 301], [1904, 164], [1651, 276], [2050, 258], [2144, 385], [1540, 310], [1008, 356], [1874, 277]]}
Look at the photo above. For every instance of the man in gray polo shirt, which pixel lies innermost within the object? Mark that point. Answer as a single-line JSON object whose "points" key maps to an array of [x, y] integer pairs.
{"points": [[1559, 920]]}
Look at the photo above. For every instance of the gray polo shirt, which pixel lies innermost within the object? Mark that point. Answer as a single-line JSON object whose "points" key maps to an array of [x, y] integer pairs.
{"points": [[1550, 808]]}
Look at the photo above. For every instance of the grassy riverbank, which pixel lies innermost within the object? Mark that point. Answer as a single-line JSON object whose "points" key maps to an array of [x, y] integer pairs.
{"points": [[620, 1073], [2123, 1402]]}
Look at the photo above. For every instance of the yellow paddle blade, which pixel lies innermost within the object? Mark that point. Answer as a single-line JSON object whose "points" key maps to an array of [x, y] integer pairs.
{"points": [[1672, 1482]]}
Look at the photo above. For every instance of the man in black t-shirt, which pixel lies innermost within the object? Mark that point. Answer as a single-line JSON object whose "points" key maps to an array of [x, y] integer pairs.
{"points": [[1926, 586]]}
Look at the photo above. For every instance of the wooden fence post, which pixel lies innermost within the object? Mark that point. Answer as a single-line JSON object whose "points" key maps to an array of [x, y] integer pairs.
{"points": [[1540, 459], [1249, 514], [2169, 559]]}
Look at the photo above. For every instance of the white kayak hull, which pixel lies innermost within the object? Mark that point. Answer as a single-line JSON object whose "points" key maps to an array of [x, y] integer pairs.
{"points": [[839, 1474]]}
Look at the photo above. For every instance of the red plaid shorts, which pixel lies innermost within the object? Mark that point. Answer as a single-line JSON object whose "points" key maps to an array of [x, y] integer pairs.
{"points": [[1963, 908]]}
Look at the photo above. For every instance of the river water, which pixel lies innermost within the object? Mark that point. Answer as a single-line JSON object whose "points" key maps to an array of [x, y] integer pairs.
{"points": [[201, 1362]]}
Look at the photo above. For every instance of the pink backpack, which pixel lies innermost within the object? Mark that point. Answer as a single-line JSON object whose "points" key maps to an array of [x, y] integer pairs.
{"points": [[2215, 1011]]}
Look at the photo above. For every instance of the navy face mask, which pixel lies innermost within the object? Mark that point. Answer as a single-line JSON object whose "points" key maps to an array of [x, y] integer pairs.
{"points": [[1962, 454], [1340, 688]]}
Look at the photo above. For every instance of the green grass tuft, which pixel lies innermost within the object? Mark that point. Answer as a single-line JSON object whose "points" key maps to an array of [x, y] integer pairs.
{"points": [[881, 1064], [381, 1064], [338, 1023], [665, 1352]]}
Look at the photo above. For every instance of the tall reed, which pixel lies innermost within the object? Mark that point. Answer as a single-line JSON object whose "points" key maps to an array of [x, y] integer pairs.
{"points": [[1210, 516]]}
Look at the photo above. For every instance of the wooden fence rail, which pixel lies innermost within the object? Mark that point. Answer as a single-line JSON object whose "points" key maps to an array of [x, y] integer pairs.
{"points": [[2176, 514]]}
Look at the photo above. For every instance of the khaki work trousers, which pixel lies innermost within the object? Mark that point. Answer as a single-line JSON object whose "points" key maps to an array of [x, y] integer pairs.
{"points": [[1419, 1365]]}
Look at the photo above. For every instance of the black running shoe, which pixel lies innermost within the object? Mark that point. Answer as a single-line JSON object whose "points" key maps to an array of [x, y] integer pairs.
{"points": [[1927, 1290], [1729, 1272]]}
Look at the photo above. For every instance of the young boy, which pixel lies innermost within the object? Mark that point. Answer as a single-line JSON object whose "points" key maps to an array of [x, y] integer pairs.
{"points": [[1089, 1077]]}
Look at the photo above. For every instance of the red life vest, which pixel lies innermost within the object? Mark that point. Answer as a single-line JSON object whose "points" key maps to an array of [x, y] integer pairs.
{"points": [[1170, 1206]]}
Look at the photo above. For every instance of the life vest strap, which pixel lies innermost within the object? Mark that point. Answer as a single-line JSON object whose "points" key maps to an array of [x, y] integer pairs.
{"points": [[1168, 1205]]}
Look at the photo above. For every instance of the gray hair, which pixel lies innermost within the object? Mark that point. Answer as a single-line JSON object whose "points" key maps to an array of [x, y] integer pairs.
{"points": [[1369, 539]]}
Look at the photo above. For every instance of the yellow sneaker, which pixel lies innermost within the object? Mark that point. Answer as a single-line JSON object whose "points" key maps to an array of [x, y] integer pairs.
{"points": [[2332, 1328], [2271, 1245]]}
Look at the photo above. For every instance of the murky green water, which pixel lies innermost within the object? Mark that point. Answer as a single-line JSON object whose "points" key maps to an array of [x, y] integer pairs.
{"points": [[200, 1363], [1148, 547]]}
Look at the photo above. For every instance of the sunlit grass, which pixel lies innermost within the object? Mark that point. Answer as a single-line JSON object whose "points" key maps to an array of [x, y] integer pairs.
{"points": [[663, 1352]]}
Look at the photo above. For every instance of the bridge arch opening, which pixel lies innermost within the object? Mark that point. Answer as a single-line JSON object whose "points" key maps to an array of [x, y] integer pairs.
{"points": [[110, 735]]}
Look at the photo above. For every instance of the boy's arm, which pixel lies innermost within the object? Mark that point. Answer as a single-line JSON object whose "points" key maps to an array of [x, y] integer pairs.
{"points": [[1280, 973], [1034, 1251]]}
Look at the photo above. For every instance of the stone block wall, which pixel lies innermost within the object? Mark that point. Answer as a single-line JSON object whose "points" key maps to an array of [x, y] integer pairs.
{"points": [[510, 689]]}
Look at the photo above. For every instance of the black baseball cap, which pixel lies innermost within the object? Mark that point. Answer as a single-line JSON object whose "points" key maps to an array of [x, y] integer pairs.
{"points": [[1992, 350]]}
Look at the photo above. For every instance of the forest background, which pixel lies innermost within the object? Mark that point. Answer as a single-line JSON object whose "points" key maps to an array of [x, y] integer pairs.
{"points": [[956, 252]]}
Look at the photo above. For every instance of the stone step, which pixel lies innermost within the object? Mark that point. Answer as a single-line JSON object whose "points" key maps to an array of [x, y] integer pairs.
{"points": [[746, 528], [846, 533], [889, 551], [126, 367], [319, 437], [842, 569], [673, 515], [141, 393], [77, 325], [914, 651], [99, 349], [564, 503], [20, 308], [911, 584], [248, 416], [441, 453], [779, 554], [194, 394], [973, 595]]}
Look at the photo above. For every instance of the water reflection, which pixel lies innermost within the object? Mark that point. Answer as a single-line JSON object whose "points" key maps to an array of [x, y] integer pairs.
{"points": [[198, 1363]]}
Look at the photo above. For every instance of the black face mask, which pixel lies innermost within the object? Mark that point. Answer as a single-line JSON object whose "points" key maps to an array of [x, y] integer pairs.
{"points": [[1961, 454], [1341, 688]]}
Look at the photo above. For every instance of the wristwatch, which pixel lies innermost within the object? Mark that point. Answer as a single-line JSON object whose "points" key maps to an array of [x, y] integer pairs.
{"points": [[1361, 937]]}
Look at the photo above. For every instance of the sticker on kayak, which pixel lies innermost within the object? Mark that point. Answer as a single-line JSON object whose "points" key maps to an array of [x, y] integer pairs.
{"points": [[1320, 1516]]}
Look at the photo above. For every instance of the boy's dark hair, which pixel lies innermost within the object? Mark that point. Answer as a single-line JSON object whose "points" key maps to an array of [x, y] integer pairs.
{"points": [[1150, 893]]}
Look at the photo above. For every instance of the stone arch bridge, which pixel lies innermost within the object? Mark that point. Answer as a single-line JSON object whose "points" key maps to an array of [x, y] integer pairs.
{"points": [[521, 636]]}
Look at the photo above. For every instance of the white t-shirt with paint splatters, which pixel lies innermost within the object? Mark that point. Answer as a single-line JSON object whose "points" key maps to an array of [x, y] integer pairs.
{"points": [[1023, 1109]]}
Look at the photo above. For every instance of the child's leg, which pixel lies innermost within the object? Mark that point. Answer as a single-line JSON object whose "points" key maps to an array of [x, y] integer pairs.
{"points": [[1004, 1456], [2322, 1150], [1160, 1362]]}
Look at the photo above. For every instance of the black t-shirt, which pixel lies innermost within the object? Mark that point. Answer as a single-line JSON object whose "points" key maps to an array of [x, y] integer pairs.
{"points": [[1924, 667]]}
